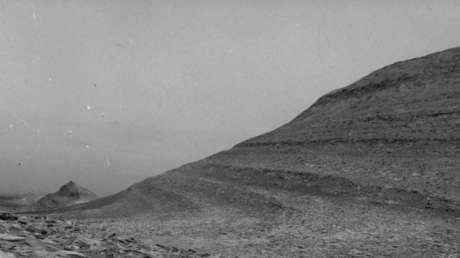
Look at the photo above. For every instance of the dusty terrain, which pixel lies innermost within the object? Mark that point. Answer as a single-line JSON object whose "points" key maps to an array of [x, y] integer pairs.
{"points": [[369, 170], [307, 226]]}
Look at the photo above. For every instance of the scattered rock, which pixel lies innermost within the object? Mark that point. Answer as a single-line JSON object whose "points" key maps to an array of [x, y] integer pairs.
{"points": [[41, 237]]}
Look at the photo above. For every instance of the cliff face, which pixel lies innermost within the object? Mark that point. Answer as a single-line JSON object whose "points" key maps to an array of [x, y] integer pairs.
{"points": [[392, 137]]}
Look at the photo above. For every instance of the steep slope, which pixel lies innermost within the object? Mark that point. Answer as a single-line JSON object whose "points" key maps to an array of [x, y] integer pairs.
{"points": [[397, 127], [393, 137], [68, 194]]}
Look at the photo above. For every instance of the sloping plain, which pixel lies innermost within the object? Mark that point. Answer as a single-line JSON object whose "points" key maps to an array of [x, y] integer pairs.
{"points": [[369, 170]]}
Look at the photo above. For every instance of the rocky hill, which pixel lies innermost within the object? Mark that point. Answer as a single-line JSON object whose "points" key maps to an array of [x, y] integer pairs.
{"points": [[369, 170], [392, 137], [68, 194], [397, 128]]}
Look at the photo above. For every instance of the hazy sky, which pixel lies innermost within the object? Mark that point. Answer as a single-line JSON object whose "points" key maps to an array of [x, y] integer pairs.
{"points": [[108, 92]]}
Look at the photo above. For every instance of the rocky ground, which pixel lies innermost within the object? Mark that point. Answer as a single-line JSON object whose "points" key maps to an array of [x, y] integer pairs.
{"points": [[304, 226], [300, 226], [45, 236], [369, 170]]}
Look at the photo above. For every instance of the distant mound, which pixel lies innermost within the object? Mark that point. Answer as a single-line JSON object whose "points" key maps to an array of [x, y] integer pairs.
{"points": [[393, 137], [68, 194]]}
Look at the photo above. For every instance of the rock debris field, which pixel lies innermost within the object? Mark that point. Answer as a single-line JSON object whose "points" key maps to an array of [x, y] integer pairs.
{"points": [[52, 237]]}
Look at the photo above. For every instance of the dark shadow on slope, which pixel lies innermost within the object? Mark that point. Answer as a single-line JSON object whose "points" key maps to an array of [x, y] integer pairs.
{"points": [[328, 186]]}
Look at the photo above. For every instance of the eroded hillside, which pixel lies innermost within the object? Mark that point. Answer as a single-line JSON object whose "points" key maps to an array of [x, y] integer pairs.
{"points": [[369, 170], [392, 137]]}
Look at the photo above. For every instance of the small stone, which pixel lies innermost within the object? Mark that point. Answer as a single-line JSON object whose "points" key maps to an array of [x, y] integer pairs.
{"points": [[10, 238], [69, 247], [71, 254], [111, 234], [86, 243], [39, 236], [23, 220], [48, 241], [355, 252], [161, 246]]}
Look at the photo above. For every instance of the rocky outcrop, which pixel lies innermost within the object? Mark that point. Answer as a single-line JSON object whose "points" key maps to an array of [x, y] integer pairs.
{"points": [[68, 194]]}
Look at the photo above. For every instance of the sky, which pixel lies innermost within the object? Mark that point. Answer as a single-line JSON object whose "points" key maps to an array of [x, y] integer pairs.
{"points": [[107, 93]]}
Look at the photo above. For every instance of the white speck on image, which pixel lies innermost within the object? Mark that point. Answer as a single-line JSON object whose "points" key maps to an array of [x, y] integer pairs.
{"points": [[107, 162], [35, 15]]}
